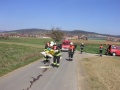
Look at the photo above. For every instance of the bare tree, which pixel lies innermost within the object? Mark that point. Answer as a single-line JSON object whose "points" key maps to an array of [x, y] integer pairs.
{"points": [[56, 34]]}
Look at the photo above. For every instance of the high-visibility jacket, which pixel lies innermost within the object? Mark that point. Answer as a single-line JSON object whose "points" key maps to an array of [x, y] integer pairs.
{"points": [[101, 48], [49, 51], [81, 46], [71, 48], [57, 51]]}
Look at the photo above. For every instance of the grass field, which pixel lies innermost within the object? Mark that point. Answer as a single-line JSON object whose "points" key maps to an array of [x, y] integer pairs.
{"points": [[103, 73], [14, 56], [36, 41], [92, 46], [95, 42]]}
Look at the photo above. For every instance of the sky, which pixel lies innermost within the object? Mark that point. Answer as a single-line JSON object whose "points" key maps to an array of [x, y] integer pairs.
{"points": [[100, 16]]}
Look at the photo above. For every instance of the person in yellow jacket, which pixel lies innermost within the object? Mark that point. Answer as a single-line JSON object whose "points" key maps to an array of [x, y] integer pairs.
{"points": [[57, 55], [47, 57], [48, 52]]}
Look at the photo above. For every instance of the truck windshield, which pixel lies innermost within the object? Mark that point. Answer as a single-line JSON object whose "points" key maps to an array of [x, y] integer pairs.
{"points": [[66, 43], [113, 47]]}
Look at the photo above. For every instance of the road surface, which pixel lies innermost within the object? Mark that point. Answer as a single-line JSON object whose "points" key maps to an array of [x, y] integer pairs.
{"points": [[34, 77]]}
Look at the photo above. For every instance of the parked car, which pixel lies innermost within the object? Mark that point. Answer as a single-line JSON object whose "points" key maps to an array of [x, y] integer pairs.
{"points": [[113, 50]]}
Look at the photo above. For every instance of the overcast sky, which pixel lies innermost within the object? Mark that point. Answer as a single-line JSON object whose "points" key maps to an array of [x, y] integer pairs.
{"points": [[101, 16]]}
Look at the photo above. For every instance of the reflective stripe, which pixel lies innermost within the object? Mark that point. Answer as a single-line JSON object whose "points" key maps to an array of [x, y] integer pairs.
{"points": [[101, 47], [55, 63], [58, 54]]}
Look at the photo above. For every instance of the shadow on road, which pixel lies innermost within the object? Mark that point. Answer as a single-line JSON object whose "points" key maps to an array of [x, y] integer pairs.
{"points": [[68, 59]]}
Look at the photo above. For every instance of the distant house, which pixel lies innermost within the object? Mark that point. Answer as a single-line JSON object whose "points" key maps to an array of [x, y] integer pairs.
{"points": [[83, 37], [75, 37], [113, 39]]}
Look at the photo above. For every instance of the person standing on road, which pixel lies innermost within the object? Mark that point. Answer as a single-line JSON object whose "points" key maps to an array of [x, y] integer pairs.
{"points": [[81, 47], [101, 50], [71, 51], [57, 55]]}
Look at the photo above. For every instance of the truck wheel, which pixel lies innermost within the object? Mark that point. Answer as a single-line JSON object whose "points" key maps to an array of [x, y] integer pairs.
{"points": [[114, 54]]}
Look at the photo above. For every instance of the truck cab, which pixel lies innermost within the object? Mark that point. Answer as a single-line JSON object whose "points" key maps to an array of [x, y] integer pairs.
{"points": [[65, 45]]}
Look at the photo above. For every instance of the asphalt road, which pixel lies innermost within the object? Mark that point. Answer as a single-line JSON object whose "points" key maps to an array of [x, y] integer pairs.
{"points": [[35, 77]]}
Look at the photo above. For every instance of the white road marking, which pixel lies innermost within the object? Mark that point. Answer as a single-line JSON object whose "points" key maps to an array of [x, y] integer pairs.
{"points": [[44, 67]]}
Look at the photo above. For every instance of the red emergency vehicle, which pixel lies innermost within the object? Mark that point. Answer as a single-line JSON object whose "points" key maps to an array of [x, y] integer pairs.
{"points": [[113, 50], [65, 45]]}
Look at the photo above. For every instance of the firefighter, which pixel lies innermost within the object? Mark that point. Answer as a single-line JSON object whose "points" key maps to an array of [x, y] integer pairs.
{"points": [[81, 47], [57, 55], [47, 45], [71, 51], [101, 50], [46, 57]]}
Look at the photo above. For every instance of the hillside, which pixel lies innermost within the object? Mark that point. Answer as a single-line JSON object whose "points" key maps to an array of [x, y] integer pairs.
{"points": [[27, 31], [66, 32]]}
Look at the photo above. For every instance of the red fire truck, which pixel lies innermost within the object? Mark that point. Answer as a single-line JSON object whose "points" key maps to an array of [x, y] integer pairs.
{"points": [[65, 45]]}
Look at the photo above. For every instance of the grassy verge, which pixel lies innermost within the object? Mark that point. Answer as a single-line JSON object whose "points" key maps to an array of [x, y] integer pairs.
{"points": [[103, 73], [36, 41], [14, 56], [92, 48], [95, 42]]}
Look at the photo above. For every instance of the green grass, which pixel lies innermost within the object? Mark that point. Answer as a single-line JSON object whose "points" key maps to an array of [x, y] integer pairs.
{"points": [[14, 56], [91, 48], [36, 41]]}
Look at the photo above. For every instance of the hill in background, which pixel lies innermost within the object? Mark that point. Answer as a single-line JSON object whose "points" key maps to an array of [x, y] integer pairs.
{"points": [[66, 32]]}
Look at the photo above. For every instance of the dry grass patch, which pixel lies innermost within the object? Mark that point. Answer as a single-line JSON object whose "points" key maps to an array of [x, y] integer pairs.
{"points": [[103, 73], [95, 42]]}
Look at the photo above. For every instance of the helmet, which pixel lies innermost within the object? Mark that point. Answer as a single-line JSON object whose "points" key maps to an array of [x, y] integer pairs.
{"points": [[82, 43], [51, 42], [71, 43]]}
